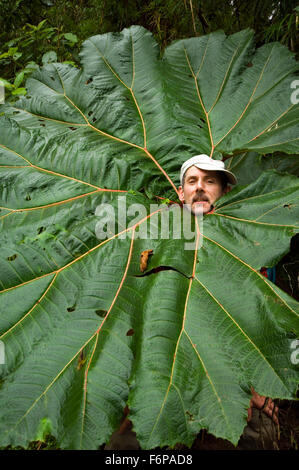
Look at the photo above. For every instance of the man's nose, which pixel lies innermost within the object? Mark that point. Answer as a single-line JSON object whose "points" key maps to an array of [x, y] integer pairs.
{"points": [[200, 185]]}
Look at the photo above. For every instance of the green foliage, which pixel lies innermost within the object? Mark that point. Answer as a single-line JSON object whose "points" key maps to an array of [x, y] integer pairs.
{"points": [[49, 57], [14, 89], [33, 46], [31, 28], [284, 30], [86, 331], [44, 430], [49, 443]]}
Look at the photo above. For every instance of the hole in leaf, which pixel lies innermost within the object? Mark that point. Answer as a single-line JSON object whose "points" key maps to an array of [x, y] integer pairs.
{"points": [[101, 313], [130, 332], [43, 125], [158, 269], [40, 230], [28, 198], [52, 78], [249, 64], [71, 309], [11, 258], [90, 113], [89, 80], [41, 120], [94, 120], [202, 120], [287, 205], [128, 99], [73, 128]]}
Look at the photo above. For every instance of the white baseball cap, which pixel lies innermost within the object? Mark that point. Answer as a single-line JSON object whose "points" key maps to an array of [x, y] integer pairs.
{"points": [[204, 162]]}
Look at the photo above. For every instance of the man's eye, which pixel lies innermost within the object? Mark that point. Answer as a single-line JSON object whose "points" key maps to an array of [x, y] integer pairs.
{"points": [[211, 181]]}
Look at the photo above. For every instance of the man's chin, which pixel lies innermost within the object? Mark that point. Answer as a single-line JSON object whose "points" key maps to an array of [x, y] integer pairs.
{"points": [[199, 208]]}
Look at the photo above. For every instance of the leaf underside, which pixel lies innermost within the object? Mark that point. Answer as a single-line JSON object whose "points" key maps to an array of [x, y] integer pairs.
{"points": [[85, 330]]}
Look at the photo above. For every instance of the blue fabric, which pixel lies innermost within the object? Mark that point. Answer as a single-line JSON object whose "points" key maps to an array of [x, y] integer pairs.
{"points": [[271, 274]]}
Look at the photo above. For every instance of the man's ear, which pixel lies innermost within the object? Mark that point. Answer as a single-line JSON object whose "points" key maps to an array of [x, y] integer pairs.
{"points": [[181, 194]]}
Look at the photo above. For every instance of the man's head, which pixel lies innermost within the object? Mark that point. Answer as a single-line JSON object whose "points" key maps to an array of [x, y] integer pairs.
{"points": [[203, 181]]}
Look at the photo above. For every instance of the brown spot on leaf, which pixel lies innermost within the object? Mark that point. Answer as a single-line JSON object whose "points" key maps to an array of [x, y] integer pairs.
{"points": [[12, 258], [190, 415], [144, 259], [71, 309], [81, 360], [249, 64], [130, 332]]}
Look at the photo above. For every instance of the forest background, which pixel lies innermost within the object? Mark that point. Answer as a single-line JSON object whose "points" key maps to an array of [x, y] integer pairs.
{"points": [[36, 32]]}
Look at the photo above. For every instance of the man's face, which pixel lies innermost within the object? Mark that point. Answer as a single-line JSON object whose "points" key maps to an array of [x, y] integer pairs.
{"points": [[201, 189]]}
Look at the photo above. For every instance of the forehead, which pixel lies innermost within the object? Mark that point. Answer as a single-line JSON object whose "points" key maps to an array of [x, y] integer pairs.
{"points": [[193, 171]]}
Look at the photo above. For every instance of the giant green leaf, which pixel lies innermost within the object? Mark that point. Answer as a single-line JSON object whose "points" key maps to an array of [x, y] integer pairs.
{"points": [[249, 165], [85, 330]]}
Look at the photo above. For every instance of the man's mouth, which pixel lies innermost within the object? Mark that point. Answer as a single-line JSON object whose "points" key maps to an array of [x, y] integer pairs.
{"points": [[201, 200]]}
